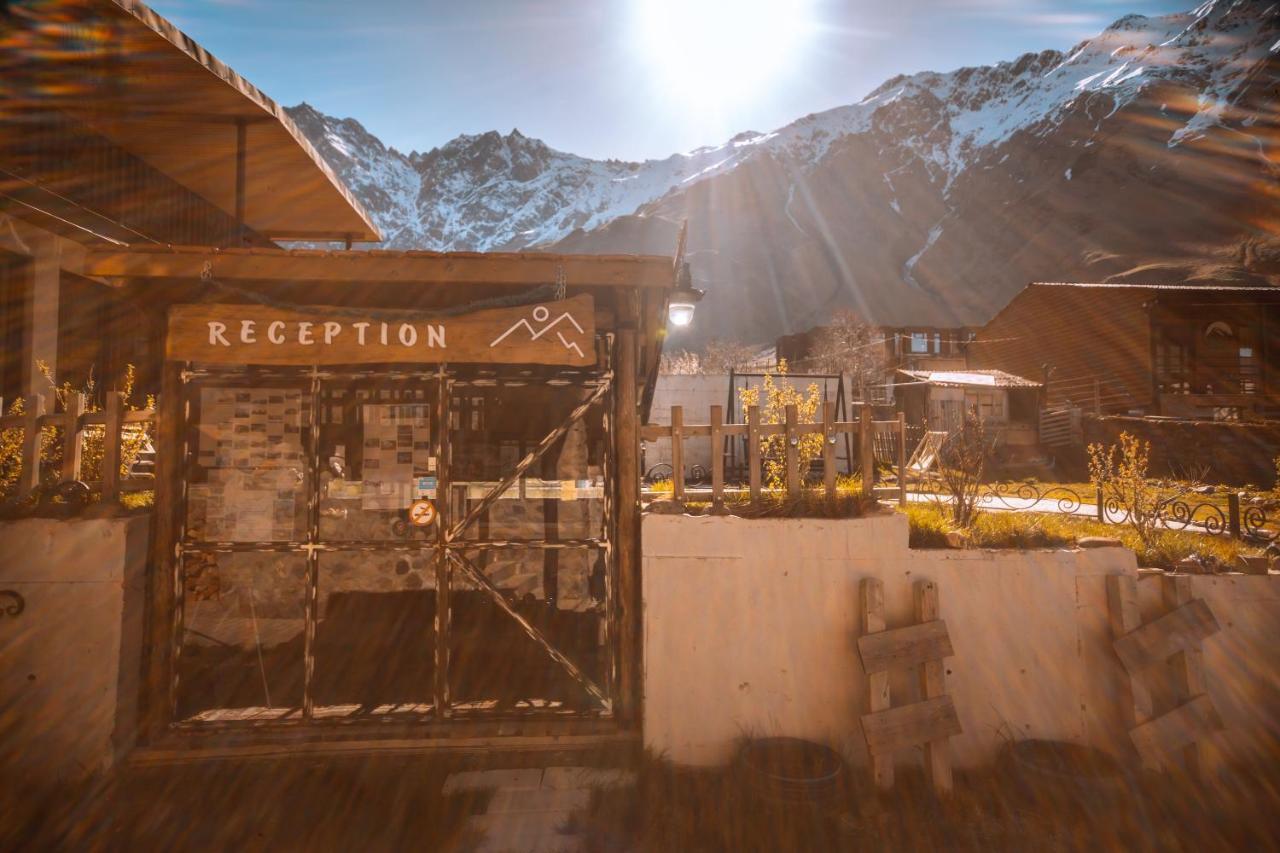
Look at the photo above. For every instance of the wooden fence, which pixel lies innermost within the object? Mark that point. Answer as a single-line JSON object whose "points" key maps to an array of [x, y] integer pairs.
{"points": [[865, 429], [113, 419]]}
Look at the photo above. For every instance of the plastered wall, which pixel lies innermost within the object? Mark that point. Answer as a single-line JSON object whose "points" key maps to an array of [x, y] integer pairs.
{"points": [[67, 704], [750, 629]]}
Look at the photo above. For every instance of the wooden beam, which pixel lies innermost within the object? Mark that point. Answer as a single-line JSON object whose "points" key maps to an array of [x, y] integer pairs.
{"points": [[1122, 609], [905, 647], [878, 699], [1188, 667], [1160, 639], [717, 459], [926, 722], [29, 479], [677, 453], [1180, 729], [937, 752], [791, 452], [359, 267], [753, 452], [72, 439], [829, 448]]}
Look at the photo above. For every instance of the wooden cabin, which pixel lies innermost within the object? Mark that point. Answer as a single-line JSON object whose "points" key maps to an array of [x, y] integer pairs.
{"points": [[397, 493], [1196, 351]]}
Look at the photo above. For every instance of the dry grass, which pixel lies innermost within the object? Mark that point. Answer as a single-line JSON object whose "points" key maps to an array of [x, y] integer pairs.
{"points": [[929, 527], [717, 809], [812, 502]]}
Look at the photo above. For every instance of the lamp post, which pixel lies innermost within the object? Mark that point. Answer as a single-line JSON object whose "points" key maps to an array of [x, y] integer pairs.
{"points": [[683, 299]]}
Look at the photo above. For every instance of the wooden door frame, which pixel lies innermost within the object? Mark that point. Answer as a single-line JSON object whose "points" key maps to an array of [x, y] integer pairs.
{"points": [[156, 711]]}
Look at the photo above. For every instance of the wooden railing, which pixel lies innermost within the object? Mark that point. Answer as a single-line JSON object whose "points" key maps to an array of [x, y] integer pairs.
{"points": [[865, 428], [1090, 393], [114, 419]]}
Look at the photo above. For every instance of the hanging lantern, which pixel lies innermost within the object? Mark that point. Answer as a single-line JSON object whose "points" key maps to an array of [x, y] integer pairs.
{"points": [[683, 299]]}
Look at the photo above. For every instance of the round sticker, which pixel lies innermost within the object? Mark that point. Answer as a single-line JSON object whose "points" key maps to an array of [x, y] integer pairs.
{"points": [[422, 513]]}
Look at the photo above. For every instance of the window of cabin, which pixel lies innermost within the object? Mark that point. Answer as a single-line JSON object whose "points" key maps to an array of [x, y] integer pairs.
{"points": [[919, 342], [1173, 366]]}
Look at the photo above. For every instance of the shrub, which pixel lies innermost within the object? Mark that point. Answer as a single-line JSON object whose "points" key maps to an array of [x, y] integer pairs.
{"points": [[962, 462], [133, 441], [773, 398], [1119, 472]]}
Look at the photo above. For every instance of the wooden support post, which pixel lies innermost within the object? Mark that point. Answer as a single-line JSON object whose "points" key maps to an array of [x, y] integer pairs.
{"points": [[627, 554], [937, 754], [112, 437], [1102, 505], [829, 448], [442, 630], [717, 458], [677, 453], [1188, 668], [1233, 514], [753, 452], [791, 452], [872, 593], [29, 480], [71, 439], [165, 579], [1122, 609], [902, 458], [866, 450]]}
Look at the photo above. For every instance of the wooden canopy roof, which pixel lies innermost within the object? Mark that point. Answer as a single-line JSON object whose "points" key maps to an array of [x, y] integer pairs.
{"points": [[135, 78], [357, 266]]}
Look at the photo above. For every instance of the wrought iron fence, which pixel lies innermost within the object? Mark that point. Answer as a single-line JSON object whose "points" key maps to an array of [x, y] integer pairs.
{"points": [[1237, 519]]}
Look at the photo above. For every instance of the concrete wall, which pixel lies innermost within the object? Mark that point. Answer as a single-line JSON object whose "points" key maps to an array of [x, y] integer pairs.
{"points": [[67, 703], [750, 629], [697, 393]]}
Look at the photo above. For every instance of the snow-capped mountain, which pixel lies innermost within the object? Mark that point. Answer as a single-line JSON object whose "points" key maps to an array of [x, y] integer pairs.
{"points": [[1147, 148]]}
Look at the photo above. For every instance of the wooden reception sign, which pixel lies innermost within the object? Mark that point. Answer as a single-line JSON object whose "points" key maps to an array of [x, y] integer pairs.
{"points": [[560, 332]]}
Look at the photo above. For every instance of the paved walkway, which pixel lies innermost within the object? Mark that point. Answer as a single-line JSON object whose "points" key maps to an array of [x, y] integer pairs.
{"points": [[532, 810]]}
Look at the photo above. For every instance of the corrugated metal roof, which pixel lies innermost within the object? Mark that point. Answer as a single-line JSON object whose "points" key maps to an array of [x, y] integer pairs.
{"points": [[970, 378]]}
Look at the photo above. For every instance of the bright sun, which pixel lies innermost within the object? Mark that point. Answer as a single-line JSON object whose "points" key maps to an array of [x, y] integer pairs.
{"points": [[705, 51]]}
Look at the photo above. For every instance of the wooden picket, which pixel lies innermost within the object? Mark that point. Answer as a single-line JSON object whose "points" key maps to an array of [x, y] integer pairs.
{"points": [[114, 419], [753, 430]]}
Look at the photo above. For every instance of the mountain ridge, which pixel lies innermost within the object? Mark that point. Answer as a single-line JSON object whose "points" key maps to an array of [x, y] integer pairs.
{"points": [[887, 205]]}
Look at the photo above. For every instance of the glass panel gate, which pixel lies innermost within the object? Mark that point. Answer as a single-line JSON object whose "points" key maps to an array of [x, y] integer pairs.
{"points": [[310, 592]]}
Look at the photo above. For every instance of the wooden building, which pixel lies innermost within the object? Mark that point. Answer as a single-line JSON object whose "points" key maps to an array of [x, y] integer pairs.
{"points": [[116, 129], [397, 493], [1198, 351], [896, 348], [940, 399]]}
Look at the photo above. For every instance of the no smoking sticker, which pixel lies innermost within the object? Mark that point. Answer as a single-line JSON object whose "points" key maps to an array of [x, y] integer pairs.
{"points": [[422, 513]]}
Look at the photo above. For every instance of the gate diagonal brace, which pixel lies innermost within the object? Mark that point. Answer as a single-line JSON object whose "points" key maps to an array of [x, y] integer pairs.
{"points": [[533, 456], [477, 577]]}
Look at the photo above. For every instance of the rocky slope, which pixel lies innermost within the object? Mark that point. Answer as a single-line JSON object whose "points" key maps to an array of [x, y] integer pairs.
{"points": [[1148, 153]]}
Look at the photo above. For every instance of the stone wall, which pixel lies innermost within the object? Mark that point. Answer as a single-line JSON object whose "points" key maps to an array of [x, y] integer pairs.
{"points": [[750, 629], [1236, 453]]}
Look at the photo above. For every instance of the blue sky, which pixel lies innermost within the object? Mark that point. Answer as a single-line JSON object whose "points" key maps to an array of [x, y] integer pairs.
{"points": [[613, 78]]}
